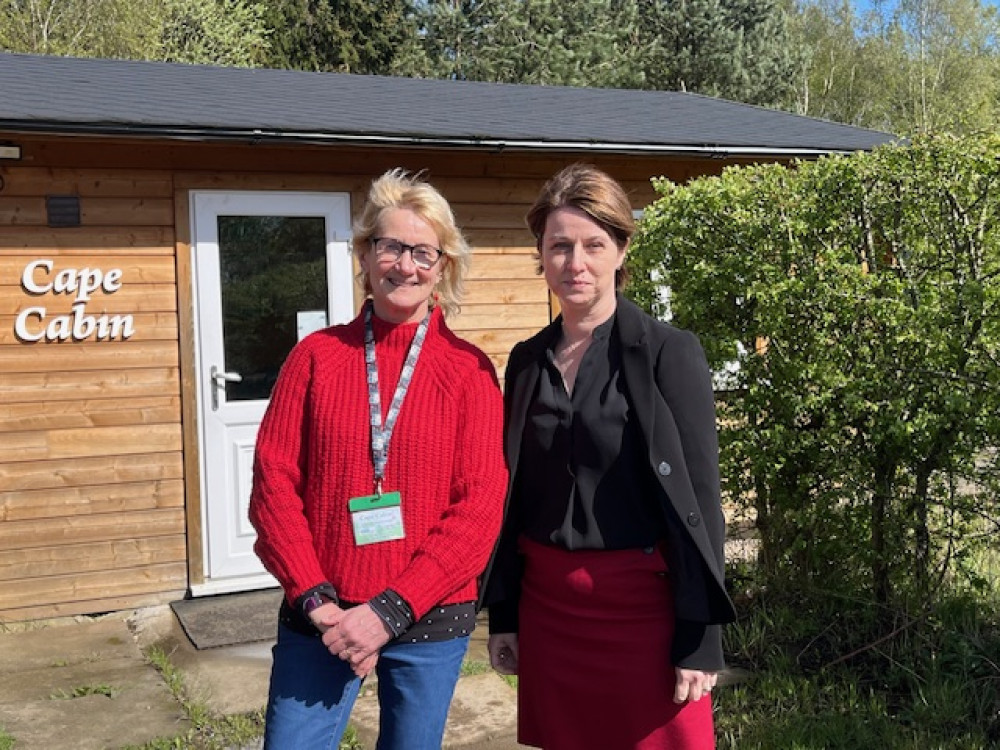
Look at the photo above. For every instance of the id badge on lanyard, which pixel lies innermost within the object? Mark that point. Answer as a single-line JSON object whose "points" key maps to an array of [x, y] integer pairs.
{"points": [[379, 517]]}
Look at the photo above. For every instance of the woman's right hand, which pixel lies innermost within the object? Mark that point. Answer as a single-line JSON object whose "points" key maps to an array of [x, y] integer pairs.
{"points": [[503, 652], [326, 616]]}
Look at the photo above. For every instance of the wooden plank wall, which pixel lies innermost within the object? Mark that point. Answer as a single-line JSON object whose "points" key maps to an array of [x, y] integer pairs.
{"points": [[505, 300], [91, 491]]}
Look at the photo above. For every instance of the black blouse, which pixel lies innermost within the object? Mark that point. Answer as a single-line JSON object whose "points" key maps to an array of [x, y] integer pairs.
{"points": [[583, 480]]}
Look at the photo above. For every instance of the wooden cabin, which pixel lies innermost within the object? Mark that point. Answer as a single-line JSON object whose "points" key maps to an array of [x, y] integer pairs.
{"points": [[168, 232]]}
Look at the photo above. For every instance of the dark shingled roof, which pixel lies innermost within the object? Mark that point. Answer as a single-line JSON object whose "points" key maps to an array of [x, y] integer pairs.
{"points": [[75, 95]]}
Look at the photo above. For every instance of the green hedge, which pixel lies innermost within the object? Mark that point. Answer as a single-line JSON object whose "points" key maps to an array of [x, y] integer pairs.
{"points": [[860, 295]]}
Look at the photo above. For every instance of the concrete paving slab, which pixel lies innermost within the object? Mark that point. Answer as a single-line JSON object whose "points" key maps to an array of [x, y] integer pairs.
{"points": [[59, 682], [49, 696], [229, 680], [94, 722], [75, 654], [67, 643], [484, 710]]}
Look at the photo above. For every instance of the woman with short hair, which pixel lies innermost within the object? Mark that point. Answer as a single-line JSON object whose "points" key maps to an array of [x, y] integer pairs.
{"points": [[606, 592]]}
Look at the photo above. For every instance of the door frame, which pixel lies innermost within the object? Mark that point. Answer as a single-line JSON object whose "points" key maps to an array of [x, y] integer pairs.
{"points": [[342, 307]]}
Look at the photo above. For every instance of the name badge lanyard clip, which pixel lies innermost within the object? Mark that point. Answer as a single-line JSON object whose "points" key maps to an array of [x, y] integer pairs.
{"points": [[382, 432]]}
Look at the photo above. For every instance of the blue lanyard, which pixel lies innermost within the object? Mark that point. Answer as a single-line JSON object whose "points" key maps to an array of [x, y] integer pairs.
{"points": [[382, 433]]}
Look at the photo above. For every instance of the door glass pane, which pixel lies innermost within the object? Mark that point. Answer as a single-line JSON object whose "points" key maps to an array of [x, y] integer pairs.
{"points": [[272, 268]]}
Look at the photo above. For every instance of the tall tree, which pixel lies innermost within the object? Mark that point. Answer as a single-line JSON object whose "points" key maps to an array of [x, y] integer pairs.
{"points": [[736, 49], [733, 48], [98, 28], [347, 36], [553, 42], [921, 66], [221, 32], [951, 72], [833, 83], [226, 32]]}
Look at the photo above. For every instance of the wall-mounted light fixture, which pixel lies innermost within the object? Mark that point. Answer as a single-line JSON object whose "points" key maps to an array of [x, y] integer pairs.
{"points": [[10, 151]]}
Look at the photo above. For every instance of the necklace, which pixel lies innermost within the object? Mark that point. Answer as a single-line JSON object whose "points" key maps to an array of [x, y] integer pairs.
{"points": [[565, 351], [567, 359]]}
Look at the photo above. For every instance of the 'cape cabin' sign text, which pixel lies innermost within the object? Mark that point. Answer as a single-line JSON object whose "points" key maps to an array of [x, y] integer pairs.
{"points": [[35, 324]]}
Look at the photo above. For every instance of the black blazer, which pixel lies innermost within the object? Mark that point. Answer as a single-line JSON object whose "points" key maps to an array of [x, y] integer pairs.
{"points": [[669, 385]]}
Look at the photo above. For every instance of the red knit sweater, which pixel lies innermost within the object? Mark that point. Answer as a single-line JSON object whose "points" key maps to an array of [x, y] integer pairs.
{"points": [[446, 459]]}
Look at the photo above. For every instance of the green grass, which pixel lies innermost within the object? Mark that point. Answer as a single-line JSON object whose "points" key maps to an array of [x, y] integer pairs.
{"points": [[108, 691], [210, 731], [350, 741], [837, 673], [473, 666], [6, 741], [781, 711], [86, 659]]}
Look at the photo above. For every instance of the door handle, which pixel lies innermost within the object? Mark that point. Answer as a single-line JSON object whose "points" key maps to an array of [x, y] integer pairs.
{"points": [[219, 380]]}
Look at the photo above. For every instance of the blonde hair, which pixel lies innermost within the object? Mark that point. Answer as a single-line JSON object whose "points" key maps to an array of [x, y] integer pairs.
{"points": [[398, 188], [594, 192]]}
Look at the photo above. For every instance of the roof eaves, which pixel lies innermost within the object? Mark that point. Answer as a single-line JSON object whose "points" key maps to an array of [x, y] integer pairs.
{"points": [[260, 136]]}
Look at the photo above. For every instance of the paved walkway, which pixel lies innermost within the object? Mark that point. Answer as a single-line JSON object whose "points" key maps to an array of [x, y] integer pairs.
{"points": [[82, 684]]}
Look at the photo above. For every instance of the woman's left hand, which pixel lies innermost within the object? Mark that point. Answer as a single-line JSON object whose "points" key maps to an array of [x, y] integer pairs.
{"points": [[357, 637], [693, 684]]}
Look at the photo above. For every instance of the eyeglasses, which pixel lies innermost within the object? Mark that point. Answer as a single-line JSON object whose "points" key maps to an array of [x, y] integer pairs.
{"points": [[424, 256]]}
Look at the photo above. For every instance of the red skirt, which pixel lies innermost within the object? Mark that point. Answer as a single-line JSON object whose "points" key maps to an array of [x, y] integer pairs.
{"points": [[594, 655]]}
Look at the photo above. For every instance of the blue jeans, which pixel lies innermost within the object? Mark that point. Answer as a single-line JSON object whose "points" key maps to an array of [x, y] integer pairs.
{"points": [[312, 693]]}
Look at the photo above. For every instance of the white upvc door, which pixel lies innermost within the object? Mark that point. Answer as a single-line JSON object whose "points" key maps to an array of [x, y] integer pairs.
{"points": [[269, 268]]}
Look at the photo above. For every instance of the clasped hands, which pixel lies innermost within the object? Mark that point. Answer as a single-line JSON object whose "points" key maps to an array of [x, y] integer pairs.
{"points": [[354, 635]]}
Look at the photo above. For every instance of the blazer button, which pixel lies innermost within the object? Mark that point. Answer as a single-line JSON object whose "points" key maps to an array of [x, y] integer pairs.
{"points": [[693, 519], [664, 469]]}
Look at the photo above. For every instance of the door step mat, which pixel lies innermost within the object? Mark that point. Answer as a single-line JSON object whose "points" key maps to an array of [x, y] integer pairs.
{"points": [[230, 619]]}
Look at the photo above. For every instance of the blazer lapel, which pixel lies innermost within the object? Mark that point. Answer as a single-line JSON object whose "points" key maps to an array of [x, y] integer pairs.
{"points": [[637, 366], [525, 377], [524, 384]]}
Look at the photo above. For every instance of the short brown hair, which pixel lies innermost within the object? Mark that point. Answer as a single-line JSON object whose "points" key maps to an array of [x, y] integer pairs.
{"points": [[597, 194]]}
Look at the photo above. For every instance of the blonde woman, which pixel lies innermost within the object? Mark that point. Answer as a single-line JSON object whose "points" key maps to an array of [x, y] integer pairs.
{"points": [[378, 488]]}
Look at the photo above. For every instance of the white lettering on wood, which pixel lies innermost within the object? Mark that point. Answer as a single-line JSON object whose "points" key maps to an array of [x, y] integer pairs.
{"points": [[34, 323]]}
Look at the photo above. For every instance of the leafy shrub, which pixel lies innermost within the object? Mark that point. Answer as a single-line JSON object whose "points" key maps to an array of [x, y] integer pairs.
{"points": [[854, 304], [860, 297]]}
